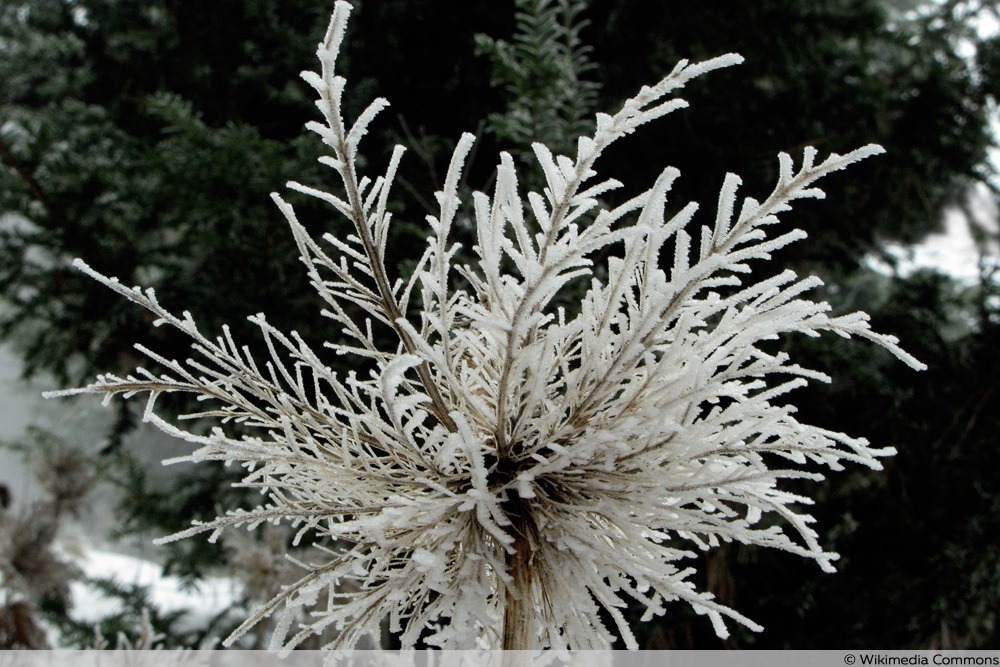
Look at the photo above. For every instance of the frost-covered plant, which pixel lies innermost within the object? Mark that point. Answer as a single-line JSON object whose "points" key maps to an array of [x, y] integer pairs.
{"points": [[263, 568], [34, 570], [509, 470]]}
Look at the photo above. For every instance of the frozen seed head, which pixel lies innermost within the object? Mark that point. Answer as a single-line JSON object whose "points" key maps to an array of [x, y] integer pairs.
{"points": [[514, 472]]}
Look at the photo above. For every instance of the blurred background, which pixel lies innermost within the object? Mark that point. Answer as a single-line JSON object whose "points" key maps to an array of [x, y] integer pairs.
{"points": [[145, 135]]}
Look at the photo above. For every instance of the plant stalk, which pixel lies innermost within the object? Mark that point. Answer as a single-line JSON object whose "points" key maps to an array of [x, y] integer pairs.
{"points": [[519, 612]]}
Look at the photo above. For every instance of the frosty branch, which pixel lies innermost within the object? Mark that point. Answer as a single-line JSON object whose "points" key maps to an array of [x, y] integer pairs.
{"points": [[510, 469]]}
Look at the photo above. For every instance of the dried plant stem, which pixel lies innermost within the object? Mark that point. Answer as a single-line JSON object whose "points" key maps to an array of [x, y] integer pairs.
{"points": [[389, 304], [509, 465], [519, 612]]}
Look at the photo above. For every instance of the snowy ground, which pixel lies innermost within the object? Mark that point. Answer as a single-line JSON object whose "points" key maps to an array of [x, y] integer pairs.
{"points": [[212, 596]]}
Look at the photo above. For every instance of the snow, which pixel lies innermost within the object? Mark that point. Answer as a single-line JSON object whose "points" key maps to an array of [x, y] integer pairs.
{"points": [[212, 596], [22, 406], [953, 251]]}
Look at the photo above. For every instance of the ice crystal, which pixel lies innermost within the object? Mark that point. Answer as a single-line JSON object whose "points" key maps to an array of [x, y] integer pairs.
{"points": [[512, 469]]}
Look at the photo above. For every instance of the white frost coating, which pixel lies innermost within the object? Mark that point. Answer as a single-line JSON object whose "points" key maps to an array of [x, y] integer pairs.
{"points": [[628, 434]]}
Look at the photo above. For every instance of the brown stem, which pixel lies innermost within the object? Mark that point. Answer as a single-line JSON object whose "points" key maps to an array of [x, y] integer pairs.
{"points": [[438, 406], [519, 612]]}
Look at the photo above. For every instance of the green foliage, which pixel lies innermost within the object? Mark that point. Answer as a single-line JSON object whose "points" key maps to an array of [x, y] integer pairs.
{"points": [[540, 70], [831, 74], [105, 158]]}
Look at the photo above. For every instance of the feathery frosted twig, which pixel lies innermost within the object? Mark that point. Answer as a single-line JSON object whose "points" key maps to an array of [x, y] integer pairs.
{"points": [[530, 467]]}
